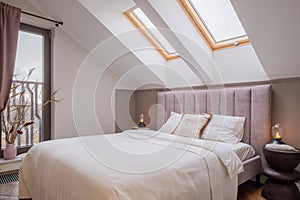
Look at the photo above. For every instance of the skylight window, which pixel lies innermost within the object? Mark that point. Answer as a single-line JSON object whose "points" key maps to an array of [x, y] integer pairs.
{"points": [[144, 24], [217, 21]]}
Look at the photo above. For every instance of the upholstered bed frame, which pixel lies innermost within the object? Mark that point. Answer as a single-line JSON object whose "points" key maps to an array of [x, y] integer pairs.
{"points": [[253, 103]]}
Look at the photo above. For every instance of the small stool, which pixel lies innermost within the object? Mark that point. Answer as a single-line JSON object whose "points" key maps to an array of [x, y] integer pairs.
{"points": [[281, 185]]}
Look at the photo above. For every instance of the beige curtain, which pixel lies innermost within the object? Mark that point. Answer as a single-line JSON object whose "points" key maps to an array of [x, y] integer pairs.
{"points": [[9, 28]]}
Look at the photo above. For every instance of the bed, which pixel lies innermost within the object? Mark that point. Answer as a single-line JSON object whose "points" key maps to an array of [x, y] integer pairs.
{"points": [[253, 103], [146, 164]]}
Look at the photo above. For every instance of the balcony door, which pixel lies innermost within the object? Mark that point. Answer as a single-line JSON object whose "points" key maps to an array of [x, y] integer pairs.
{"points": [[33, 58]]}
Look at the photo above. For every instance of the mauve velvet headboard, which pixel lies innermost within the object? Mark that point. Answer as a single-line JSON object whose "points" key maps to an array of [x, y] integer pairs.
{"points": [[253, 103]]}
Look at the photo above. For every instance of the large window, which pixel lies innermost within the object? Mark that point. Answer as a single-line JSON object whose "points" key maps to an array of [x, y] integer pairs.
{"points": [[144, 24], [33, 56], [217, 22]]}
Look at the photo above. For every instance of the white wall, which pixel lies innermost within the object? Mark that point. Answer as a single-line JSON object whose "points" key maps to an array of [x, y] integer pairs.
{"points": [[87, 88], [67, 57], [125, 109]]}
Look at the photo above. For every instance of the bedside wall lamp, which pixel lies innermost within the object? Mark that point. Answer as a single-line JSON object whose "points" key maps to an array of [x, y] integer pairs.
{"points": [[277, 134]]}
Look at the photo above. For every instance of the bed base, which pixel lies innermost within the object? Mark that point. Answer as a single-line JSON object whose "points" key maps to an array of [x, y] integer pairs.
{"points": [[252, 168]]}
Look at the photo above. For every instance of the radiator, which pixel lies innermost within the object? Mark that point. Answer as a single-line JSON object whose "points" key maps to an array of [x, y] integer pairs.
{"points": [[9, 177]]}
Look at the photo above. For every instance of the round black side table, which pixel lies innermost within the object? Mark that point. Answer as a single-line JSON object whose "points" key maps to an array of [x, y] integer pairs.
{"points": [[281, 175]]}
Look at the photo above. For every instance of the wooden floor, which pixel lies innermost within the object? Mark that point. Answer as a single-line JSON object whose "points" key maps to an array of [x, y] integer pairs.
{"points": [[247, 191], [250, 191]]}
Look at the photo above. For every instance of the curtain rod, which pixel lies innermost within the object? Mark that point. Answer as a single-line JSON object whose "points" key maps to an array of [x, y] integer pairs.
{"points": [[57, 23]]}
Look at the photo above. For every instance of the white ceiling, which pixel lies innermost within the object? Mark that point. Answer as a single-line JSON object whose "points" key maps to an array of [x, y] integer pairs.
{"points": [[88, 31], [273, 29]]}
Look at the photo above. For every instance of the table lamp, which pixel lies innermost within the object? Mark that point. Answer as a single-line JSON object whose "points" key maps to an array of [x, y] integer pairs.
{"points": [[277, 134], [141, 121]]}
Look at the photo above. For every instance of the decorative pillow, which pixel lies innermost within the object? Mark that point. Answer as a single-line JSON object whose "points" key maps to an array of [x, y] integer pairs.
{"points": [[191, 125], [171, 124], [224, 128]]}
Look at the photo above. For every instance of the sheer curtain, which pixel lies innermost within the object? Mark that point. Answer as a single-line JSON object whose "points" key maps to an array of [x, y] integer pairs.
{"points": [[9, 29]]}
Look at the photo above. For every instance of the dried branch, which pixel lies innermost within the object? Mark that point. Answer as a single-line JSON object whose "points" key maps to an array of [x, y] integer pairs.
{"points": [[30, 72], [17, 107], [52, 98]]}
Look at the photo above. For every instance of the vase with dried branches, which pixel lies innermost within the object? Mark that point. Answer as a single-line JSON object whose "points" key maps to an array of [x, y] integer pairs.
{"points": [[15, 121], [13, 126]]}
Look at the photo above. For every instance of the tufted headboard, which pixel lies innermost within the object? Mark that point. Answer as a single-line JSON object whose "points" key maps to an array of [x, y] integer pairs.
{"points": [[253, 103]]}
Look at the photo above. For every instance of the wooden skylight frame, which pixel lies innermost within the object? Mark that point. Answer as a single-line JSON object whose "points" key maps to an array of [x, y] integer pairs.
{"points": [[139, 25], [203, 30]]}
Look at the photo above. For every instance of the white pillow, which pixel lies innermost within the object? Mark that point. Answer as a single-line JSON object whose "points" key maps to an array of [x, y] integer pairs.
{"points": [[171, 124], [191, 125], [224, 128]]}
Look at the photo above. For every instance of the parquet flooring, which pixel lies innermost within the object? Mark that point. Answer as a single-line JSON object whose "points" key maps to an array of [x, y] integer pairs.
{"points": [[250, 191]]}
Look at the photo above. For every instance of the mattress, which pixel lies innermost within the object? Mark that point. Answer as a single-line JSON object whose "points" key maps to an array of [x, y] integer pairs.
{"points": [[130, 165]]}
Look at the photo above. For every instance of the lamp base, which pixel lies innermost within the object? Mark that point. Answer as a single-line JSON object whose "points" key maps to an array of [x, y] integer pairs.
{"points": [[277, 141], [141, 124]]}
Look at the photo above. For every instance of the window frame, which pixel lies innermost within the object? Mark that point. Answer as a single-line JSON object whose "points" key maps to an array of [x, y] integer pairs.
{"points": [[139, 25], [47, 82], [207, 36]]}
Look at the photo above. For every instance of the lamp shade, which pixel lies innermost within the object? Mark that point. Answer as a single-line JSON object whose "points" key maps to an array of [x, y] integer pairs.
{"points": [[141, 121], [277, 132], [141, 118]]}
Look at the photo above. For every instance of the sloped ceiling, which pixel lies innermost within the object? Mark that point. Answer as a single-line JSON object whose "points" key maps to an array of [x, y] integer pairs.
{"points": [[237, 64], [273, 27], [110, 14], [92, 22], [82, 26]]}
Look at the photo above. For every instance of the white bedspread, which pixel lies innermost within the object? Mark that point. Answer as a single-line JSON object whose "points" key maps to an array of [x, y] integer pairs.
{"points": [[130, 165]]}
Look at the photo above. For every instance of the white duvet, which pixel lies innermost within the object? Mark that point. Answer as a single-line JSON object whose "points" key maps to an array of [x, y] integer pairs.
{"points": [[130, 165]]}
